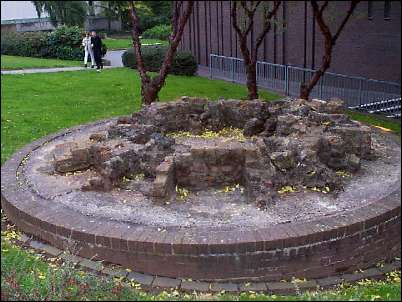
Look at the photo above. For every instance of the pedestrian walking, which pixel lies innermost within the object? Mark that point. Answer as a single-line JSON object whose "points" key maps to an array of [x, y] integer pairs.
{"points": [[87, 44], [96, 42]]}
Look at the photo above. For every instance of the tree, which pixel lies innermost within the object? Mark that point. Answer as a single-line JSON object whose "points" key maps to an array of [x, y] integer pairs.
{"points": [[329, 42], [250, 55], [150, 86], [63, 12]]}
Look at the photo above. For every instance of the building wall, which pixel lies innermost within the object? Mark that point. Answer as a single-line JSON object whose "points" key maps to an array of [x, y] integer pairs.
{"points": [[8, 27], [368, 47], [38, 25], [101, 23]]}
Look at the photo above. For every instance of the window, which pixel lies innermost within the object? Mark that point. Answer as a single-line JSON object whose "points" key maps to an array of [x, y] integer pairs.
{"points": [[370, 10], [387, 10]]}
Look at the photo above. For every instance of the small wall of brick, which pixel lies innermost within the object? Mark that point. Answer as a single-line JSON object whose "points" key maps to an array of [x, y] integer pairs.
{"points": [[209, 167], [326, 246]]}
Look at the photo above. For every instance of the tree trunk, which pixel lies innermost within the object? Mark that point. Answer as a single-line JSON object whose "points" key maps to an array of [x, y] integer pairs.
{"points": [[149, 92], [305, 89], [250, 55], [251, 81], [150, 86]]}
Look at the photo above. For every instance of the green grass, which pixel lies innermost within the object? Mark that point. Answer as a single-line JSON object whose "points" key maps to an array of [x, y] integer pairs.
{"points": [[34, 105], [16, 62], [26, 276], [123, 43], [377, 120]]}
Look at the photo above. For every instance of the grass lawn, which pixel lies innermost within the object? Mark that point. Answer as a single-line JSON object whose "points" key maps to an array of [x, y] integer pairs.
{"points": [[38, 104], [123, 43], [16, 62], [34, 105]]}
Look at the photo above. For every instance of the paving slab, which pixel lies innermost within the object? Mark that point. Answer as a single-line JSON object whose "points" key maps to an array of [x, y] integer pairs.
{"points": [[141, 278], [165, 282], [51, 250], [93, 265], [227, 287], [329, 282], [281, 287], [197, 286], [115, 272], [255, 286]]}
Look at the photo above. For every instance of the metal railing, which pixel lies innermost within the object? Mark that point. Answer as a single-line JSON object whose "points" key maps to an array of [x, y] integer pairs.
{"points": [[357, 92]]}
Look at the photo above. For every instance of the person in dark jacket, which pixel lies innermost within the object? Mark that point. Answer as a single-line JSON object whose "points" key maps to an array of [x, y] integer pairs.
{"points": [[96, 42]]}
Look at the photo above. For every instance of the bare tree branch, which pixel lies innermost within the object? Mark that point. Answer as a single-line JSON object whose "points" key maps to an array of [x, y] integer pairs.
{"points": [[349, 13], [150, 87], [329, 42], [136, 40], [250, 56], [267, 24]]}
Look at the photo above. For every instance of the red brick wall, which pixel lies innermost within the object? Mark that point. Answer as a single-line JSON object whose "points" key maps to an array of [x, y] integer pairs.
{"points": [[368, 48]]}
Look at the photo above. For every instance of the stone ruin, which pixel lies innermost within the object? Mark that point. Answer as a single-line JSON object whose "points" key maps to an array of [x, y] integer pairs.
{"points": [[290, 142]]}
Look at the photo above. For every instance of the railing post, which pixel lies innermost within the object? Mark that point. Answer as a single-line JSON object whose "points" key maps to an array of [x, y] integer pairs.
{"points": [[210, 66], [321, 81], [360, 91], [286, 79], [232, 60]]}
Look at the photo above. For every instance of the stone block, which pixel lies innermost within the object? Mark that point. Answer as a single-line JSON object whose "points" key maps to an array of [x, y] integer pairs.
{"points": [[141, 278], [256, 287], [283, 160], [227, 287], [70, 157], [164, 282], [191, 286]]}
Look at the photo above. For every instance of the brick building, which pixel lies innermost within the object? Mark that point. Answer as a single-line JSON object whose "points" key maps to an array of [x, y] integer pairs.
{"points": [[369, 46]]}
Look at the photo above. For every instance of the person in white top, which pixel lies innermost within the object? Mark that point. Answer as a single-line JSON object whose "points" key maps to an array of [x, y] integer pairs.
{"points": [[86, 43]]}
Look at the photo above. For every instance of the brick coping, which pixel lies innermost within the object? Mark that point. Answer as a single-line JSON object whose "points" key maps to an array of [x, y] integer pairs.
{"points": [[30, 210], [153, 282]]}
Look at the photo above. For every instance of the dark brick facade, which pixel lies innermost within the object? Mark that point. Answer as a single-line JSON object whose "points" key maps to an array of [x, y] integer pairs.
{"points": [[369, 46]]}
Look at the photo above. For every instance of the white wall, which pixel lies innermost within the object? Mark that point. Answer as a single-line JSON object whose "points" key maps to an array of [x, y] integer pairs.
{"points": [[18, 10]]}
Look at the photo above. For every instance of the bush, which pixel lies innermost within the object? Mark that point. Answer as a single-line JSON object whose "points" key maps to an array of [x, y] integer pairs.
{"points": [[160, 32], [62, 43], [183, 63], [28, 44]]}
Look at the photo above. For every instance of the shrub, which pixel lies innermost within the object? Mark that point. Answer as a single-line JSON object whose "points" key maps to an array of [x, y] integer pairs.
{"points": [[62, 43], [65, 43], [184, 62], [23, 44], [160, 32]]}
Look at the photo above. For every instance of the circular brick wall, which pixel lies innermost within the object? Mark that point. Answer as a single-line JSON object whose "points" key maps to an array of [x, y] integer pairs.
{"points": [[326, 246]]}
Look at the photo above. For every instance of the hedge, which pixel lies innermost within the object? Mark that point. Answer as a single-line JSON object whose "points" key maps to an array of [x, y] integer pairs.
{"points": [[62, 43], [184, 62], [160, 32]]}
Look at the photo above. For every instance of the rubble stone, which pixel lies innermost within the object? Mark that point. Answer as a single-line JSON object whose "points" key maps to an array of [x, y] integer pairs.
{"points": [[288, 142]]}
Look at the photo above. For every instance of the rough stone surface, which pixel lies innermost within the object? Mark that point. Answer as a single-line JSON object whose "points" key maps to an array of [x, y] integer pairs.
{"points": [[292, 137], [262, 222]]}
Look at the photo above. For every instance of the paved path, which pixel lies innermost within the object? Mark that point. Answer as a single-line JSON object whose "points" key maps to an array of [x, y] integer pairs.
{"points": [[114, 56], [48, 70]]}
